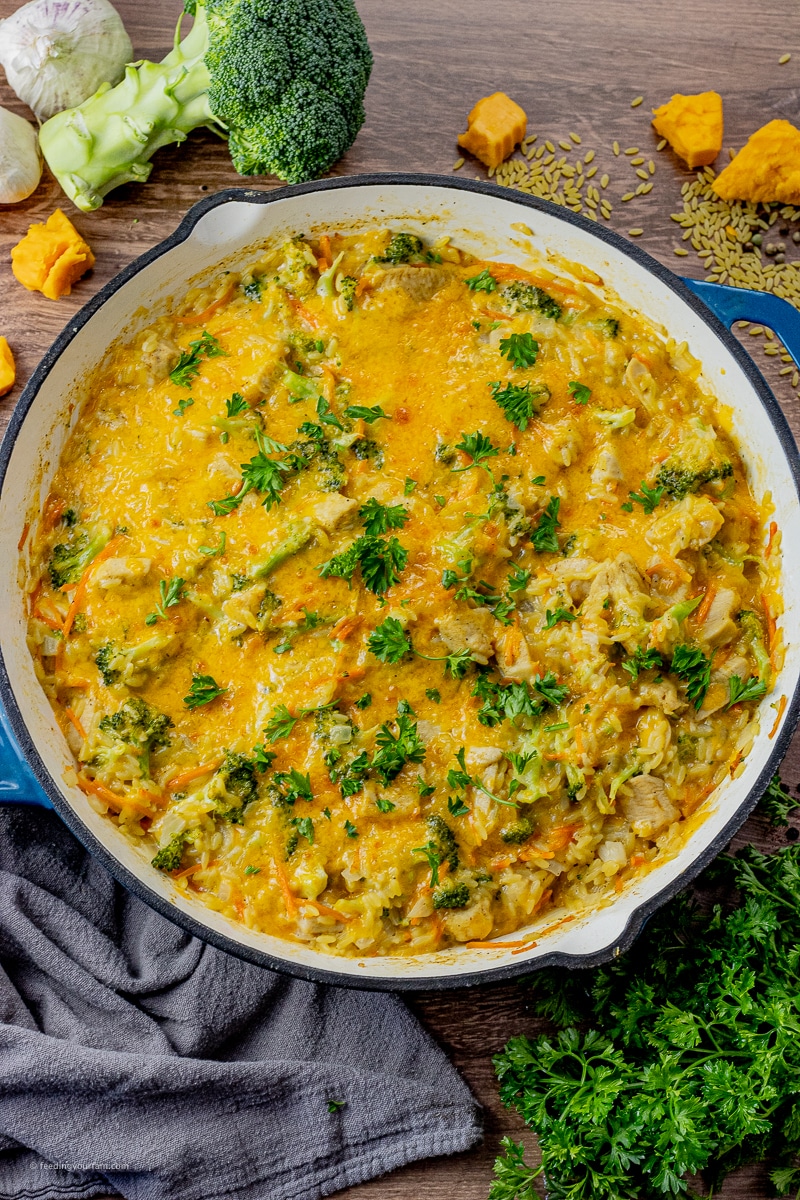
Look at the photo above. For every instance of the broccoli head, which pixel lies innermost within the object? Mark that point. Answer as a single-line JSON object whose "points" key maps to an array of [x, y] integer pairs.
{"points": [[444, 841], [526, 297], [451, 895], [168, 858], [234, 786], [696, 460], [284, 80], [138, 725], [608, 327], [753, 635], [518, 832], [105, 662], [347, 291], [70, 559], [332, 728], [403, 248]]}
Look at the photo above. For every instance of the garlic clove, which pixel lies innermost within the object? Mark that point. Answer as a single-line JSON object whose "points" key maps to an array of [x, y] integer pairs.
{"points": [[56, 53], [20, 162]]}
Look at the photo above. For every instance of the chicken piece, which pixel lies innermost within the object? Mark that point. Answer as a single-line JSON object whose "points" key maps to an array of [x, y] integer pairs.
{"points": [[469, 924], [617, 593], [467, 630], [717, 694], [577, 574], [157, 361], [607, 468], [687, 525], [330, 511], [719, 627], [483, 756], [513, 655], [646, 806], [419, 283], [662, 696], [116, 571], [642, 384]]}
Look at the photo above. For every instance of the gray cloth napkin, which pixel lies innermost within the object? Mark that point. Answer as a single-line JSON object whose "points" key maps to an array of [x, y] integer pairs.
{"points": [[136, 1059]]}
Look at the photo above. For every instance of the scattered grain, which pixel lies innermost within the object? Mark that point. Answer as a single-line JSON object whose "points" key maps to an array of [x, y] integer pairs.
{"points": [[550, 147], [604, 181], [628, 196], [644, 189], [458, 164], [635, 232], [565, 145], [635, 103], [661, 144], [575, 138], [784, 58], [680, 251], [631, 150], [637, 162], [651, 166], [615, 147], [756, 330]]}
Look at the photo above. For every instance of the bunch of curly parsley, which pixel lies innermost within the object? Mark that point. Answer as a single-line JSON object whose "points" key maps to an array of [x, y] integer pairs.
{"points": [[681, 1057]]}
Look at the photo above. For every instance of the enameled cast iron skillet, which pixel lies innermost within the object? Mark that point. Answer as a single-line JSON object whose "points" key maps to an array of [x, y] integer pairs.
{"points": [[35, 764]]}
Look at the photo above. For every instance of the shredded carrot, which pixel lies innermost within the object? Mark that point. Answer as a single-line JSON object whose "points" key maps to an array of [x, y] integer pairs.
{"points": [[737, 758], [73, 719], [184, 871], [325, 247], [618, 884], [53, 510], [702, 612], [325, 911], [522, 949], [179, 781], [347, 625], [559, 756], [363, 285], [289, 898], [781, 710], [92, 787], [497, 945], [304, 313], [638, 860], [354, 673], [201, 318], [512, 644], [83, 582], [156, 798], [54, 622], [23, 536], [668, 566], [561, 837], [495, 316], [500, 864], [533, 852], [329, 384], [773, 529]]}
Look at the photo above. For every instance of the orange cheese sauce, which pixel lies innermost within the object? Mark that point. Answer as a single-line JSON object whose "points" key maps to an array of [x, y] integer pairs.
{"points": [[389, 604]]}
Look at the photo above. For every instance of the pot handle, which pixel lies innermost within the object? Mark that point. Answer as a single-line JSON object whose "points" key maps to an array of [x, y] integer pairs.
{"points": [[740, 304], [18, 784]]}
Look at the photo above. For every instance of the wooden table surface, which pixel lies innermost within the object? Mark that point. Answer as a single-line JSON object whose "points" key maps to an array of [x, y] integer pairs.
{"points": [[574, 65]]}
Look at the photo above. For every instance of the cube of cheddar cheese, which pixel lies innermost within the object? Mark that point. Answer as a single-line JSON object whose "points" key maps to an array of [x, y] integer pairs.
{"points": [[767, 169], [693, 126], [495, 126], [8, 370], [51, 257]]}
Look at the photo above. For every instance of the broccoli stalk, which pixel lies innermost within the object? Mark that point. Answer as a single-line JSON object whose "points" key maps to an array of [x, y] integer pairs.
{"points": [[285, 81], [297, 535], [168, 858], [753, 632], [325, 283]]}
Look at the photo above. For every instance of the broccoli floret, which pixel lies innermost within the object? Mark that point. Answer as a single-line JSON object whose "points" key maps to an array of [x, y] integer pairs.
{"points": [[270, 603], [70, 559], [368, 449], [445, 454], [517, 522], [753, 633], [526, 297], [518, 832], [329, 471], [451, 895], [239, 582], [286, 81], [104, 658], [168, 858], [234, 786], [607, 326], [403, 248], [347, 291], [696, 460], [296, 537], [69, 518], [444, 840], [332, 728], [687, 747], [138, 724]]}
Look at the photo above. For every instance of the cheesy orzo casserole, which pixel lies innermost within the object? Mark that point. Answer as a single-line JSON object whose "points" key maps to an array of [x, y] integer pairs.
{"points": [[390, 597]]}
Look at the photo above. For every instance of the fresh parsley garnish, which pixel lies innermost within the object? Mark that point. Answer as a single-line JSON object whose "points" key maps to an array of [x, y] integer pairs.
{"points": [[579, 391], [434, 694], [357, 412], [409, 486], [544, 536], [776, 803], [293, 785], [434, 858], [396, 747], [335, 1105], [459, 779], [171, 592], [517, 700], [183, 404], [204, 689], [649, 498], [252, 870], [261, 474], [236, 405], [484, 282], [558, 614], [188, 366], [305, 827], [262, 758], [363, 701], [380, 518], [282, 722], [520, 349], [212, 551], [381, 561], [519, 403], [642, 660], [740, 690], [478, 447], [694, 669], [389, 641], [350, 829], [518, 579]]}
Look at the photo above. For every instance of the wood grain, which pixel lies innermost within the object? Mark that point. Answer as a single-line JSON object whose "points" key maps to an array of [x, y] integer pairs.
{"points": [[575, 66]]}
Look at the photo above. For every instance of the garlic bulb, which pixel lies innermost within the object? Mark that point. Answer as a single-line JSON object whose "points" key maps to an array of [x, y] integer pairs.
{"points": [[20, 164], [56, 53]]}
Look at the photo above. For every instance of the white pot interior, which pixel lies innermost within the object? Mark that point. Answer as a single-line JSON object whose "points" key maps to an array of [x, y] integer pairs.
{"points": [[481, 223]]}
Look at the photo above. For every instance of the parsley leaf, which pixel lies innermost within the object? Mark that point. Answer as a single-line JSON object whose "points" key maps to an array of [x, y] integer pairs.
{"points": [[740, 690], [434, 857], [380, 560], [357, 412], [484, 282], [212, 551], [694, 669], [183, 404], [518, 579], [558, 614], [579, 391], [544, 536], [409, 486], [188, 366], [519, 403], [293, 785], [478, 447], [305, 827], [396, 748], [459, 779], [389, 641], [204, 689], [642, 660], [520, 349], [260, 474], [282, 722], [380, 518], [350, 829], [171, 592], [776, 803], [649, 498], [236, 405]]}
